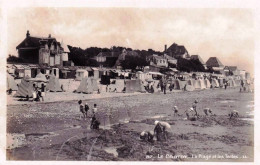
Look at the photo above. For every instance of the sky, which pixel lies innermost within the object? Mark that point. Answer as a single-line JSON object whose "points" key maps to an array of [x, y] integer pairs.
{"points": [[224, 33]]}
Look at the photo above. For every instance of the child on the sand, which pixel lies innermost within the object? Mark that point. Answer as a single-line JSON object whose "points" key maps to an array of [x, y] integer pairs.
{"points": [[194, 106], [175, 109], [147, 136], [81, 108]]}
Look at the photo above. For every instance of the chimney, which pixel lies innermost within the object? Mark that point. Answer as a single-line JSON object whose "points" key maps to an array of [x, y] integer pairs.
{"points": [[49, 35], [28, 33], [165, 48]]}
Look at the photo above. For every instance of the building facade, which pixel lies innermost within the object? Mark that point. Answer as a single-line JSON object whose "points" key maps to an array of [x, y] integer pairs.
{"points": [[45, 51]]}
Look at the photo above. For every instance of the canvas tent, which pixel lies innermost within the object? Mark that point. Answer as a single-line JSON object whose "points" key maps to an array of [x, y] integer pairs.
{"points": [[215, 83], [85, 86], [196, 84], [221, 82], [202, 84], [232, 83], [25, 88], [39, 78], [190, 82], [53, 85], [11, 84], [134, 86], [207, 83], [94, 84]]}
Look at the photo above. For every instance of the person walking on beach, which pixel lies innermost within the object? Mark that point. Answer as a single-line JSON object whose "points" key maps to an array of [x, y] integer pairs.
{"points": [[86, 109], [194, 106], [34, 93], [225, 84], [94, 110], [42, 91], [81, 108]]}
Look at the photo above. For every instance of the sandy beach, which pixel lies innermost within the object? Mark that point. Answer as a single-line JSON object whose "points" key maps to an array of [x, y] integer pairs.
{"points": [[53, 130]]}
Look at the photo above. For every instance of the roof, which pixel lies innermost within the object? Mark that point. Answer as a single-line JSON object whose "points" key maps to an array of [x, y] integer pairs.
{"points": [[168, 57], [65, 47], [177, 49], [197, 57], [81, 70], [36, 42], [214, 62], [232, 68]]}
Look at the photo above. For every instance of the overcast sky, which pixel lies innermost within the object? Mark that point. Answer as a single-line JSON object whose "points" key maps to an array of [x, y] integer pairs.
{"points": [[224, 33]]}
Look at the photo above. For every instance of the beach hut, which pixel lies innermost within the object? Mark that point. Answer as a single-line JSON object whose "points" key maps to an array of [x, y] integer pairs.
{"points": [[207, 83], [85, 86], [25, 88], [196, 84], [95, 72], [11, 84], [202, 84], [176, 84], [190, 82], [80, 74], [94, 84], [53, 85], [215, 83], [140, 75]]}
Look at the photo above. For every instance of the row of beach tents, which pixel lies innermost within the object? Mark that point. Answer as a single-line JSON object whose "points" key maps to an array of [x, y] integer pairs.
{"points": [[193, 84], [90, 85], [25, 88]]}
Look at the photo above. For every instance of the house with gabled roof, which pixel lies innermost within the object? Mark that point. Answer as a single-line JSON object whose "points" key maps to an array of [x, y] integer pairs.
{"points": [[177, 51], [157, 61], [122, 56], [45, 51], [107, 59], [197, 57], [231, 70], [215, 64]]}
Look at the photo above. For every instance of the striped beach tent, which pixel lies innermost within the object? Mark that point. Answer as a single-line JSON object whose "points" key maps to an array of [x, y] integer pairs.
{"points": [[11, 84], [25, 88], [202, 84], [53, 85], [215, 83], [85, 86], [207, 83]]}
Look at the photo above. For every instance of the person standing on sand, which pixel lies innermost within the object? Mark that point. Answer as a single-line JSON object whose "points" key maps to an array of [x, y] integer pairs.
{"points": [[42, 91], [86, 109], [194, 106], [94, 110], [81, 108]]}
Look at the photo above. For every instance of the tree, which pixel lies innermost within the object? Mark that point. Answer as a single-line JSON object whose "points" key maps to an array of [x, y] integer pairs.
{"points": [[190, 65], [131, 62], [14, 59]]}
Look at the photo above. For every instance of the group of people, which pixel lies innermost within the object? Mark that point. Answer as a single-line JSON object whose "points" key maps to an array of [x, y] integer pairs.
{"points": [[161, 127], [38, 93], [84, 109], [160, 132]]}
